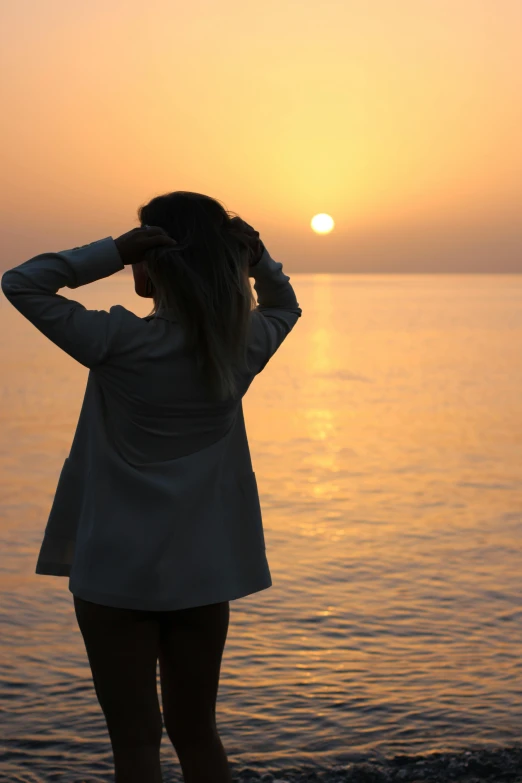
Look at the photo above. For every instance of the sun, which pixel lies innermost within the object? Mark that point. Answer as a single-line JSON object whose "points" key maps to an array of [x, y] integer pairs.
{"points": [[322, 224]]}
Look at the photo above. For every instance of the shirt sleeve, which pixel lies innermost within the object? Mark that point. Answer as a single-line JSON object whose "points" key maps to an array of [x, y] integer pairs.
{"points": [[277, 310], [31, 287]]}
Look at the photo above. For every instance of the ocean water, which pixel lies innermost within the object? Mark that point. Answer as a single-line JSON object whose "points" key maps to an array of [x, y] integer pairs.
{"points": [[386, 436]]}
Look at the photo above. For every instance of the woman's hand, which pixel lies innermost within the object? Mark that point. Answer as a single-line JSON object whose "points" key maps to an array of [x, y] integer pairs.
{"points": [[134, 244], [256, 246]]}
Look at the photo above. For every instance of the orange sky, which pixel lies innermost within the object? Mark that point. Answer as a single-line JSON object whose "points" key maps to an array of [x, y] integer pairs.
{"points": [[399, 118]]}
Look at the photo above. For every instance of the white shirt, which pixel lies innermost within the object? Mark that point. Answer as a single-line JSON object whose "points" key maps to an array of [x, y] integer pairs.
{"points": [[157, 505]]}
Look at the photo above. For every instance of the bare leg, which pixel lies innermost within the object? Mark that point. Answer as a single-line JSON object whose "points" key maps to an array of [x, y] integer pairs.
{"points": [[136, 765], [204, 761], [191, 650], [122, 646]]}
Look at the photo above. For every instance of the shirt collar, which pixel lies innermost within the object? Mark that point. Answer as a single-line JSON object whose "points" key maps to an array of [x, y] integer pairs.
{"points": [[164, 312]]}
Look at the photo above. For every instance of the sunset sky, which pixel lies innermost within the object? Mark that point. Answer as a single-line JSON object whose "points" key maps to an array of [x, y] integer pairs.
{"points": [[399, 118]]}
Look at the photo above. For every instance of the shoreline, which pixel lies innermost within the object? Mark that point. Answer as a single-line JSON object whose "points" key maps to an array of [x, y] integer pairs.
{"points": [[500, 765]]}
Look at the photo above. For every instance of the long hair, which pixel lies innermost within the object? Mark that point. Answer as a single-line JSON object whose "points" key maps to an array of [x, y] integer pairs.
{"points": [[204, 281]]}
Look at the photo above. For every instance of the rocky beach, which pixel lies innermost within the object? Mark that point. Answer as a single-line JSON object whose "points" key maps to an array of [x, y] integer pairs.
{"points": [[502, 765]]}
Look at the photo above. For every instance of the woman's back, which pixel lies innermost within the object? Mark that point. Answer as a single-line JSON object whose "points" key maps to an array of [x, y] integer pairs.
{"points": [[157, 505]]}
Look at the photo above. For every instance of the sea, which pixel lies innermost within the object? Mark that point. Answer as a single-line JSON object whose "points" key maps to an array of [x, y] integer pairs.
{"points": [[386, 437]]}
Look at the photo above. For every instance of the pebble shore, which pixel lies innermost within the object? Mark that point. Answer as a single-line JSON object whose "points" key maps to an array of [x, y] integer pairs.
{"points": [[503, 765]]}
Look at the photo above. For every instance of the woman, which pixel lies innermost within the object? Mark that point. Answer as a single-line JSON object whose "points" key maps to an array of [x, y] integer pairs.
{"points": [[156, 517]]}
